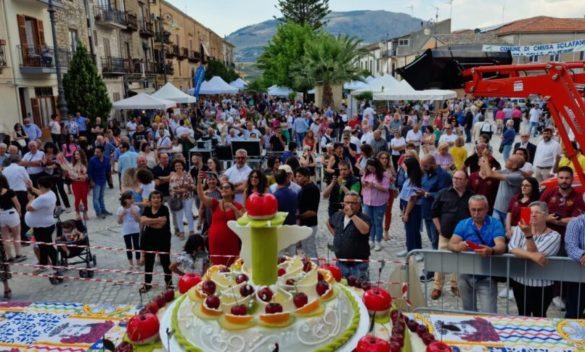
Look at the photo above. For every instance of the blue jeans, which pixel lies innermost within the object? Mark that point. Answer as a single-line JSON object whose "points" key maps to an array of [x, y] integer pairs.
{"points": [[300, 137], [412, 227], [482, 289], [376, 214], [357, 270], [98, 199], [533, 128], [432, 233], [468, 135], [506, 151]]}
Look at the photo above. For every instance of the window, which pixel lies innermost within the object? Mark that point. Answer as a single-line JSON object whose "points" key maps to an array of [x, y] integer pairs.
{"points": [[73, 39], [554, 57], [582, 56], [403, 42], [533, 58]]}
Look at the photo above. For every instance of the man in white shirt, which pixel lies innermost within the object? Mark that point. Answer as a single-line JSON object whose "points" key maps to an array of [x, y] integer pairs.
{"points": [[534, 114], [18, 180], [369, 115], [414, 136], [131, 127], [368, 135], [238, 174], [547, 152], [33, 161], [448, 137]]}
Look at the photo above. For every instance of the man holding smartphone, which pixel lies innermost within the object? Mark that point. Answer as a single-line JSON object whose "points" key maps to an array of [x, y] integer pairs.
{"points": [[351, 232], [489, 235]]}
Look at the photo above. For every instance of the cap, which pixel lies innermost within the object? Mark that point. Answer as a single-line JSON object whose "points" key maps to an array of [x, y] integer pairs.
{"points": [[286, 168]]}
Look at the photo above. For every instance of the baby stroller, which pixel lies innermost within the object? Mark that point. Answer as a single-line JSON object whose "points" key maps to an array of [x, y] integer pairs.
{"points": [[72, 234]]}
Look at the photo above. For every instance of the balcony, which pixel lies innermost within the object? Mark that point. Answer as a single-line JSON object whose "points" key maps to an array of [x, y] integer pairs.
{"points": [[110, 17], [132, 22], [388, 53], [166, 37], [41, 60], [183, 54], [115, 66], [166, 68], [193, 56], [139, 67], [146, 29], [172, 51]]}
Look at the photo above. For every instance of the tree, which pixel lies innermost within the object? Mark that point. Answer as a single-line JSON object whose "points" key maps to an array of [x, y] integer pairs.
{"points": [[285, 49], [329, 60], [304, 12], [217, 68], [85, 91]]}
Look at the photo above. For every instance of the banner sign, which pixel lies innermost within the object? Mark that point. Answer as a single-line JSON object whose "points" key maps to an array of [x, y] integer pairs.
{"points": [[198, 80], [538, 49]]}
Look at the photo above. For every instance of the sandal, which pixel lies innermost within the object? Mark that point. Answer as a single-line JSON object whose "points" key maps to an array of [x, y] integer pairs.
{"points": [[145, 289], [8, 294]]}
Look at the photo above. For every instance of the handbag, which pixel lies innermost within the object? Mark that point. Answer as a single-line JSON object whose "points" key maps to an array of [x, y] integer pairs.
{"points": [[175, 204], [501, 149]]}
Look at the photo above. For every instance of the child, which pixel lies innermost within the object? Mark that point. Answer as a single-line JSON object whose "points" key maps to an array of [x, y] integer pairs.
{"points": [[70, 235], [193, 258], [129, 217]]}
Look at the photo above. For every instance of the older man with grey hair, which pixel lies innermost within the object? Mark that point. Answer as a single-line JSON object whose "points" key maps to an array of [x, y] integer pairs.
{"points": [[34, 161], [18, 181], [3, 154], [238, 173], [486, 236]]}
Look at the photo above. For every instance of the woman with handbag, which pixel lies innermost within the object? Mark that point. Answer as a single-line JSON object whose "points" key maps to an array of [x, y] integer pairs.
{"points": [[181, 188]]}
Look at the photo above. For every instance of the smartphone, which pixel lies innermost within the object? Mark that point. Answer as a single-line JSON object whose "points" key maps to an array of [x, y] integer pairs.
{"points": [[472, 245], [525, 215]]}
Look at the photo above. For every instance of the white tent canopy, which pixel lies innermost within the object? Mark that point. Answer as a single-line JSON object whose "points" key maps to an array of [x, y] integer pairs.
{"points": [[353, 85], [277, 91], [170, 92], [384, 84], [215, 86], [143, 101], [239, 83]]}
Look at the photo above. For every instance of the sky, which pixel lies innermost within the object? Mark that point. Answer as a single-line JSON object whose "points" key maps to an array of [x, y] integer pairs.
{"points": [[227, 16]]}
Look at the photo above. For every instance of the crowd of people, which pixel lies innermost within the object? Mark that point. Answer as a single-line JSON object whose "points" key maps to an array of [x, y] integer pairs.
{"points": [[359, 162]]}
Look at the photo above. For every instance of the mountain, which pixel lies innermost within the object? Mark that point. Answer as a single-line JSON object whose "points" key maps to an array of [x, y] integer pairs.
{"points": [[369, 26]]}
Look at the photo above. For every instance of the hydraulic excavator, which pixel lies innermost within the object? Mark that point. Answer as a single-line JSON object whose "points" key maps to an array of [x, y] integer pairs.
{"points": [[560, 85]]}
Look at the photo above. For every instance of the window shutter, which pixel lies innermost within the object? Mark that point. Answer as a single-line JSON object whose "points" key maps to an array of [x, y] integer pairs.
{"points": [[40, 33], [36, 111]]}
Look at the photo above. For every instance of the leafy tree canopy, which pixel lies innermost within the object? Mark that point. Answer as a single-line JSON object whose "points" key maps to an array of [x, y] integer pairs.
{"points": [[85, 91], [304, 12], [286, 48], [217, 68]]}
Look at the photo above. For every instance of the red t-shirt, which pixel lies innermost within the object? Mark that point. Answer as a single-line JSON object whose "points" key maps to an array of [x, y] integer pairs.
{"points": [[565, 207], [353, 123], [484, 186], [514, 208]]}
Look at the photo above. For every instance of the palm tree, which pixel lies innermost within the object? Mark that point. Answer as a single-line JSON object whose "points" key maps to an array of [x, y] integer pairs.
{"points": [[328, 61]]}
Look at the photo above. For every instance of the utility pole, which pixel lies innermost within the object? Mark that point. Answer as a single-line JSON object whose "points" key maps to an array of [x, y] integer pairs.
{"points": [[61, 102]]}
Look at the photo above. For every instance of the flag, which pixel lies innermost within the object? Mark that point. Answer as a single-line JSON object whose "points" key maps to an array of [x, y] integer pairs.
{"points": [[198, 80]]}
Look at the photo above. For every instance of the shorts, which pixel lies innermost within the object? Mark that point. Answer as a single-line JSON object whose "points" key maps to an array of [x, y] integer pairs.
{"points": [[9, 218]]}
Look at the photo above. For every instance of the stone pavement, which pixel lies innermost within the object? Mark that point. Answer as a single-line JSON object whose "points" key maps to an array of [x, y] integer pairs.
{"points": [[107, 233]]}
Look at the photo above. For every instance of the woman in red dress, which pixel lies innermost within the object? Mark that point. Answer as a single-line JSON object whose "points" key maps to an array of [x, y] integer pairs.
{"points": [[224, 244]]}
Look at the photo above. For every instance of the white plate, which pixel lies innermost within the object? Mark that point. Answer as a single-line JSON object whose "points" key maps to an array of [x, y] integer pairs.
{"points": [[361, 331]]}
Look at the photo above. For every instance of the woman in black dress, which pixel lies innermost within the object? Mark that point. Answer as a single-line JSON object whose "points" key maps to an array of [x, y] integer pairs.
{"points": [[156, 236]]}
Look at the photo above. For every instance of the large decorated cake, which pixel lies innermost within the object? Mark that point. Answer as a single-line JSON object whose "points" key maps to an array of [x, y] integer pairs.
{"points": [[264, 302]]}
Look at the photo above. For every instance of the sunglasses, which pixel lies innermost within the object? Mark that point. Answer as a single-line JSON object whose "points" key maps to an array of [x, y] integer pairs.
{"points": [[226, 187]]}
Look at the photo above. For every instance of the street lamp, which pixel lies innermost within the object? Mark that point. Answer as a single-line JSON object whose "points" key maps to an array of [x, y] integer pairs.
{"points": [[62, 104]]}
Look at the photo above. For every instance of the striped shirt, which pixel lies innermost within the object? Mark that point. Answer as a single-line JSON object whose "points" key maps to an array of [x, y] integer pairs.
{"points": [[547, 244], [575, 238]]}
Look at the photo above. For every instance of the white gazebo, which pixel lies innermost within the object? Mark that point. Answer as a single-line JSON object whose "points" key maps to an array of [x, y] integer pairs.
{"points": [[215, 86], [143, 101], [170, 92], [277, 91], [239, 83]]}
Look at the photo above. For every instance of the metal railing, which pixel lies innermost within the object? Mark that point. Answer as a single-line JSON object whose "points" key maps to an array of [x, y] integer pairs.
{"points": [[108, 14], [146, 28], [115, 65], [42, 56], [506, 269], [131, 21]]}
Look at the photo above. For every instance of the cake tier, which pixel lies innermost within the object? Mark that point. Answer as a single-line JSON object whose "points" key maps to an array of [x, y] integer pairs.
{"points": [[328, 330]]}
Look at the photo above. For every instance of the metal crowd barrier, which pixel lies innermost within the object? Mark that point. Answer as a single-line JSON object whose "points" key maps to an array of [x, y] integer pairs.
{"points": [[505, 267]]}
